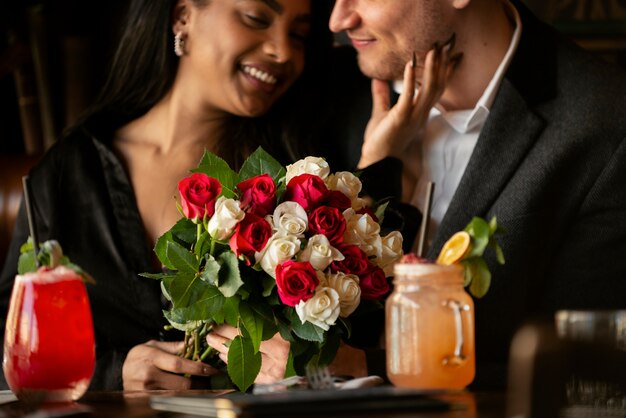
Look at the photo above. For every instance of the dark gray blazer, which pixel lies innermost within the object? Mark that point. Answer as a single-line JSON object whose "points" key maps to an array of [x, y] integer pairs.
{"points": [[550, 163]]}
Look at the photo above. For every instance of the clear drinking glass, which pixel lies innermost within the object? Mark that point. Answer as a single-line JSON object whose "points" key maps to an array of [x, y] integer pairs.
{"points": [[602, 328], [430, 328], [49, 350]]}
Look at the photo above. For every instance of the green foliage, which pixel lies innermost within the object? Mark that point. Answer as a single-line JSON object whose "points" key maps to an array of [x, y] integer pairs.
{"points": [[207, 285], [244, 363], [215, 167], [50, 255], [476, 270]]}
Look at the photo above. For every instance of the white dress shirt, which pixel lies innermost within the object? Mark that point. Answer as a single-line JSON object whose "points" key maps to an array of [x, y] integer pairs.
{"points": [[442, 153]]}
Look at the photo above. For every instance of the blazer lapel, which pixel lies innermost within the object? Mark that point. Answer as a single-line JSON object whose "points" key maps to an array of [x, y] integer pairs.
{"points": [[510, 131], [506, 138]]}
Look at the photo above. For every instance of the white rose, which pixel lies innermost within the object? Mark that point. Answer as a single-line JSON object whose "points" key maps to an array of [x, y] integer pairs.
{"points": [[321, 310], [309, 165], [227, 215], [345, 182], [389, 252], [347, 287], [320, 253], [278, 249], [361, 230], [290, 219]]}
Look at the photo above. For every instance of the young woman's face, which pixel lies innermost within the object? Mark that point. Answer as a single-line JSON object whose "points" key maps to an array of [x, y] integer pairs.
{"points": [[242, 55]]}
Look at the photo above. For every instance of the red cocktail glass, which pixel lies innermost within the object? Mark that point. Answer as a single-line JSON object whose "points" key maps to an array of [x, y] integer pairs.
{"points": [[49, 350]]}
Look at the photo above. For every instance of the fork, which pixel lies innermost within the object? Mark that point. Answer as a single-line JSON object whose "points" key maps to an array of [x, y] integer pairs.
{"points": [[319, 378]]}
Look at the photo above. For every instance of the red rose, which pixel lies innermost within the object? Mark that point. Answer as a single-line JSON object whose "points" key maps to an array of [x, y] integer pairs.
{"points": [[306, 189], [258, 195], [355, 261], [338, 200], [373, 284], [295, 281], [198, 193], [250, 236], [329, 222]]}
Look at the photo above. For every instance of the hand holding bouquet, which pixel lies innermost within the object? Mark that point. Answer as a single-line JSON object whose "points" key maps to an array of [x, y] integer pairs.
{"points": [[272, 250]]}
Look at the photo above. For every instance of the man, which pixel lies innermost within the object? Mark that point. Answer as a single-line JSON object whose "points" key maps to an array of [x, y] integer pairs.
{"points": [[530, 129]]}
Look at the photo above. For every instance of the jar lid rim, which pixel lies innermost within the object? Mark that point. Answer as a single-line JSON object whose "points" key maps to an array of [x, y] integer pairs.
{"points": [[425, 268]]}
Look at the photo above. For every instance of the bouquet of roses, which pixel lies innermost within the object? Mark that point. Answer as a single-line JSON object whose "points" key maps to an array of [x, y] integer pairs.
{"points": [[268, 250]]}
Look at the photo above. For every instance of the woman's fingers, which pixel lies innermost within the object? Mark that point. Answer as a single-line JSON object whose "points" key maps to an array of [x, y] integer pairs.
{"points": [[156, 365], [380, 98]]}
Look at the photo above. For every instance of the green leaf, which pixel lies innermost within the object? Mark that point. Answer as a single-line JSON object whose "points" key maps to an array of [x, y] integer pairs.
{"points": [[306, 331], [155, 276], [253, 324], [260, 162], [210, 273], [479, 231], [229, 274], [380, 212], [268, 283], [203, 305], [243, 363], [183, 232], [499, 254], [493, 226], [480, 277], [203, 245], [27, 262], [230, 311], [181, 258], [290, 370], [329, 347], [214, 166]]}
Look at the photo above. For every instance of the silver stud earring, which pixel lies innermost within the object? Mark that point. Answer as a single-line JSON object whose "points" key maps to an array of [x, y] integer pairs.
{"points": [[179, 44]]}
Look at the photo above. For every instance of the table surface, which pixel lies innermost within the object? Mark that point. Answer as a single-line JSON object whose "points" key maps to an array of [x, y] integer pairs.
{"points": [[137, 405]]}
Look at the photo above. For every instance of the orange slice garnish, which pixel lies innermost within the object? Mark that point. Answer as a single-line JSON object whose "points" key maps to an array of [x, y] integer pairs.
{"points": [[455, 249]]}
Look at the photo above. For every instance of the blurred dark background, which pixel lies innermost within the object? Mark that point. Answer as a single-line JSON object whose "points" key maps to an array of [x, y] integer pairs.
{"points": [[54, 54]]}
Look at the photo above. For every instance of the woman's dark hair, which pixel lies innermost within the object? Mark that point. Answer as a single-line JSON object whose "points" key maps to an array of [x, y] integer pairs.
{"points": [[144, 67]]}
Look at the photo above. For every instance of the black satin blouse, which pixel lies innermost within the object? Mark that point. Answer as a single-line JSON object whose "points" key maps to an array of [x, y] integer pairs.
{"points": [[83, 199]]}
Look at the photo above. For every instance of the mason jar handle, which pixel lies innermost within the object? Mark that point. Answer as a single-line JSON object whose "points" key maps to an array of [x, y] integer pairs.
{"points": [[458, 357]]}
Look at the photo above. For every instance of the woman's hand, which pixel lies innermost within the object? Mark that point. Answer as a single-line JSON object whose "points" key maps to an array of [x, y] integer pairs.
{"points": [[274, 352], [156, 365], [390, 130]]}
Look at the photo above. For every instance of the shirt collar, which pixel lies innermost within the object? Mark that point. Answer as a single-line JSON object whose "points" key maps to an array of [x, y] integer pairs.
{"points": [[464, 121]]}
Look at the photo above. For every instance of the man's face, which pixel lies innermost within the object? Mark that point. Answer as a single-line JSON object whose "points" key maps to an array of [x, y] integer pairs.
{"points": [[385, 33]]}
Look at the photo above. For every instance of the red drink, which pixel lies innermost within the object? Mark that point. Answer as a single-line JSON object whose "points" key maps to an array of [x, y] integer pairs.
{"points": [[49, 349]]}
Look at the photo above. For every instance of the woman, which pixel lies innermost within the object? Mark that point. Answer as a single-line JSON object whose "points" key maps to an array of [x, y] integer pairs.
{"points": [[188, 75]]}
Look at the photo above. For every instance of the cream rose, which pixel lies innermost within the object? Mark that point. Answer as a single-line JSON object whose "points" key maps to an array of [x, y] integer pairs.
{"points": [[347, 287], [227, 215], [309, 165], [345, 182], [389, 251], [322, 309], [290, 219], [362, 231], [278, 249], [320, 253]]}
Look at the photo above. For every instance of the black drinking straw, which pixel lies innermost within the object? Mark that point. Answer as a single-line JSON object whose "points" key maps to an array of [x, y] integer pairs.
{"points": [[425, 219], [30, 214]]}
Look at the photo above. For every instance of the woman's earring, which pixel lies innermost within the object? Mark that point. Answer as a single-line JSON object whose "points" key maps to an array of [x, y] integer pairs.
{"points": [[179, 44]]}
